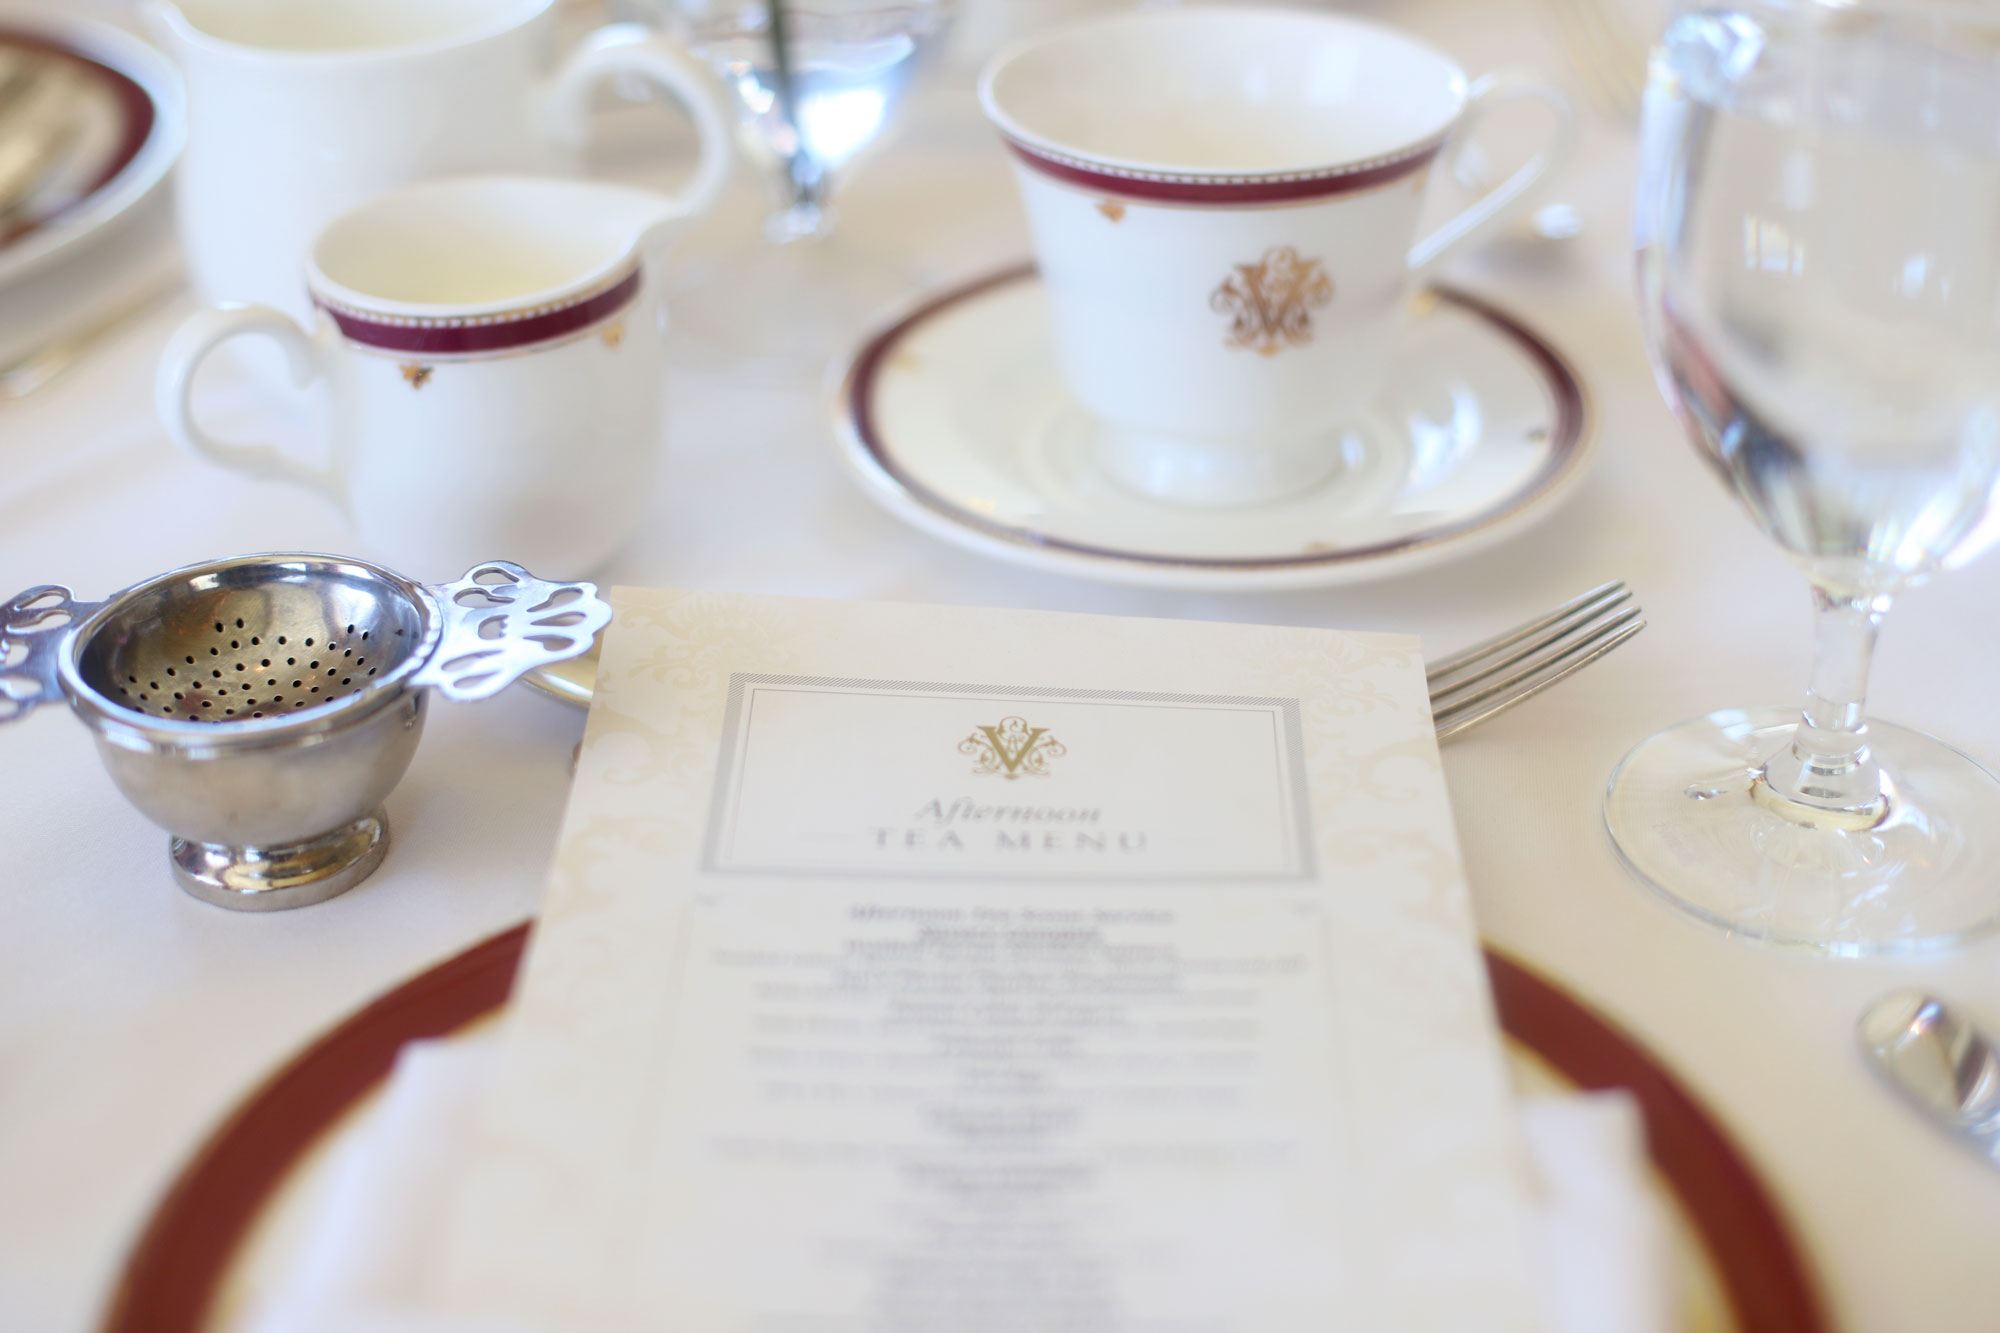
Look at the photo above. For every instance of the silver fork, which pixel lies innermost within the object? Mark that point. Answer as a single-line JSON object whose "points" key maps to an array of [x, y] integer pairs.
{"points": [[1492, 676], [1606, 49]]}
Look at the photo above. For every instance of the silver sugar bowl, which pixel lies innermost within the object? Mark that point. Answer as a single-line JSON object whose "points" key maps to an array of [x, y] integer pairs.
{"points": [[260, 709]]}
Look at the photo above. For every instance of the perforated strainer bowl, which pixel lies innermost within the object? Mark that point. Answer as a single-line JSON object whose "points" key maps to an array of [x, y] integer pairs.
{"points": [[260, 709]]}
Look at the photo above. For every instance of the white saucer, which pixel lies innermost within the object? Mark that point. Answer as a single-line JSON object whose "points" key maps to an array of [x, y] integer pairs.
{"points": [[957, 421]]}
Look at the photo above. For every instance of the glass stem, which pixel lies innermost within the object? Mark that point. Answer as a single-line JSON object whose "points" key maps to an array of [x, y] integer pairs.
{"points": [[805, 218], [1828, 767]]}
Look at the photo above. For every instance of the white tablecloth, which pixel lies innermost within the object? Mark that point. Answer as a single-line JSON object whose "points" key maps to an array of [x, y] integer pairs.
{"points": [[132, 1017]]}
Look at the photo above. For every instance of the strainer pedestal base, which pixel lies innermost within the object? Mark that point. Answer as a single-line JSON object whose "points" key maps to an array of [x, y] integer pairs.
{"points": [[270, 879]]}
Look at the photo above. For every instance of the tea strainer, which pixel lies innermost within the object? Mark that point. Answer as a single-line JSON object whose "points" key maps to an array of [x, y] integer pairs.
{"points": [[261, 708]]}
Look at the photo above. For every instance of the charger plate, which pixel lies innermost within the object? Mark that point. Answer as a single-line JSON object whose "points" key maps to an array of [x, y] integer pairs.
{"points": [[226, 1225]]}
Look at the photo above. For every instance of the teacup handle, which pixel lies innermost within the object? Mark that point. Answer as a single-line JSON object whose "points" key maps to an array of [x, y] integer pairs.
{"points": [[1506, 198], [173, 392], [629, 48], [501, 622]]}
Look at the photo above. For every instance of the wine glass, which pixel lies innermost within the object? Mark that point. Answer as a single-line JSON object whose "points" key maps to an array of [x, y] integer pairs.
{"points": [[817, 83], [1818, 222]]}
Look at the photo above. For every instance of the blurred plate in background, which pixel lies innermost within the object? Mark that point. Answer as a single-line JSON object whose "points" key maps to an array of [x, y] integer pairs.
{"points": [[90, 123]]}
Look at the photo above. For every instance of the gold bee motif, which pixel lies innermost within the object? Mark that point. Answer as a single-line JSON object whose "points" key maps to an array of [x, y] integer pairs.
{"points": [[1112, 209], [1270, 302], [415, 374], [613, 334]]}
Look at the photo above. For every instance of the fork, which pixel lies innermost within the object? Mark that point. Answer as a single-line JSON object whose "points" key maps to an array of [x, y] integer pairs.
{"points": [[34, 368], [1492, 676], [1605, 49]]}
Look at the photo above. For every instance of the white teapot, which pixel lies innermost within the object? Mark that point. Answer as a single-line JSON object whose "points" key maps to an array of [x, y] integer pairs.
{"points": [[298, 110]]}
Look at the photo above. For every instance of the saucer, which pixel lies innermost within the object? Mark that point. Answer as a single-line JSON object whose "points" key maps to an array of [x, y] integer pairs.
{"points": [[956, 420], [120, 103]]}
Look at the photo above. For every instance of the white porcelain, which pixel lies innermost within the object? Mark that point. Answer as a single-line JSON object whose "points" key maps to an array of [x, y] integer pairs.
{"points": [[130, 131], [490, 350], [299, 110], [959, 421], [1223, 203]]}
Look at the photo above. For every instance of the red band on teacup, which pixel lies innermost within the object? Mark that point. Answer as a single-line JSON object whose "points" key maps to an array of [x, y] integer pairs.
{"points": [[1224, 191], [462, 335]]}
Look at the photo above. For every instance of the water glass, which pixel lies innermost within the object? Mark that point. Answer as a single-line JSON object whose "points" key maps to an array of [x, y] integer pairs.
{"points": [[1818, 223], [816, 83]]}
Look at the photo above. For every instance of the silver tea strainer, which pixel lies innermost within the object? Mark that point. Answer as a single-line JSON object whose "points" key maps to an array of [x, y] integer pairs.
{"points": [[260, 709]]}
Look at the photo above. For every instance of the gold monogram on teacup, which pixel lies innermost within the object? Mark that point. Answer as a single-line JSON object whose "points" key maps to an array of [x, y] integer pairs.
{"points": [[1270, 302]]}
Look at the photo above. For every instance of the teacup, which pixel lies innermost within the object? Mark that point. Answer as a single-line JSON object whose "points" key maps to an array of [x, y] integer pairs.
{"points": [[301, 110], [1223, 204], [491, 351]]}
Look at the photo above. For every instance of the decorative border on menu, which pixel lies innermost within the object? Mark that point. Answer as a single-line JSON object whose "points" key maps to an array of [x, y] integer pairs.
{"points": [[1289, 755], [471, 335], [1225, 191]]}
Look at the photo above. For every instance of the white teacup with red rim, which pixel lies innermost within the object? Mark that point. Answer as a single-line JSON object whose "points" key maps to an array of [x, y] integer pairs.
{"points": [[1223, 204], [491, 349]]}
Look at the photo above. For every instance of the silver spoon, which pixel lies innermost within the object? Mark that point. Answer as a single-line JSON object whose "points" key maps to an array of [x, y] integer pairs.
{"points": [[1940, 1062], [41, 102]]}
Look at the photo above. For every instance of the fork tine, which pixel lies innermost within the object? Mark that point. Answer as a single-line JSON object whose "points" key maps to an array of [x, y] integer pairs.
{"points": [[1527, 662], [1522, 658], [1622, 52], [1604, 50], [1458, 715], [1580, 50], [1483, 653]]}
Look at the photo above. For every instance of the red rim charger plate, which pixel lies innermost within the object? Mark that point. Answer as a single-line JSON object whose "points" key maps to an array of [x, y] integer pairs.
{"points": [[177, 1266]]}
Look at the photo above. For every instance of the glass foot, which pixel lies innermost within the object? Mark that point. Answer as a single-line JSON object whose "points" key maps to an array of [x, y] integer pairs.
{"points": [[1685, 813]]}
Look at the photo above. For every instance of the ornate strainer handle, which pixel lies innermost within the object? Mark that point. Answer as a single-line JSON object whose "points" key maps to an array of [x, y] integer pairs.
{"points": [[501, 622], [33, 627]]}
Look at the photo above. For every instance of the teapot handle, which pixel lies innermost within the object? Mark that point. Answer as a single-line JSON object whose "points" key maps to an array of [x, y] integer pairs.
{"points": [[631, 49], [34, 625], [501, 622]]}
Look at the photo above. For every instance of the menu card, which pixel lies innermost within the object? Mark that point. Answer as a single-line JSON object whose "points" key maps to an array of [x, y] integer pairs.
{"points": [[915, 969]]}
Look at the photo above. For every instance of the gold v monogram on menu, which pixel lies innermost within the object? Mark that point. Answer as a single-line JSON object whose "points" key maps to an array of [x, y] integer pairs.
{"points": [[1012, 748], [1270, 302]]}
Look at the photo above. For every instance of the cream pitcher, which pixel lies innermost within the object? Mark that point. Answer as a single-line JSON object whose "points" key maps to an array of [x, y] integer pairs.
{"points": [[297, 112], [490, 352]]}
